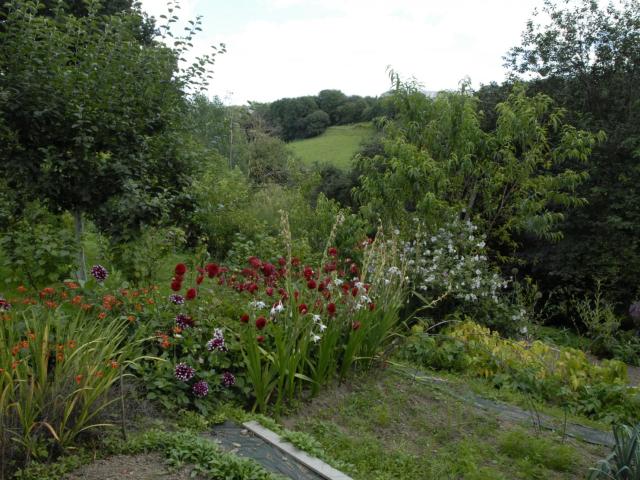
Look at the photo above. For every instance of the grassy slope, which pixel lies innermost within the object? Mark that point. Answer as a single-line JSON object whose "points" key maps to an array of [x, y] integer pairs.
{"points": [[336, 146], [384, 426]]}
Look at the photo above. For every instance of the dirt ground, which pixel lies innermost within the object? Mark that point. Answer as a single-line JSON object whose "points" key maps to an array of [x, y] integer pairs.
{"points": [[122, 467]]}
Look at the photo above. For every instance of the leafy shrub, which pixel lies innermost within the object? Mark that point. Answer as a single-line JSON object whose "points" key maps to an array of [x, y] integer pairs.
{"points": [[564, 376], [450, 266], [39, 246]]}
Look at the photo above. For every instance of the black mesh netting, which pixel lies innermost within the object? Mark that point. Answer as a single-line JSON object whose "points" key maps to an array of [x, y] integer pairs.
{"points": [[237, 439]]}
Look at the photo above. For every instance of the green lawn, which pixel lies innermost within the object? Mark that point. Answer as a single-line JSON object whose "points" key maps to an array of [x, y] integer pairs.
{"points": [[336, 146]]}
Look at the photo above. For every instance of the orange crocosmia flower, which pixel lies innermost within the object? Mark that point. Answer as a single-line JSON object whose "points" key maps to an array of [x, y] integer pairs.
{"points": [[59, 356], [46, 292], [102, 315], [77, 300], [24, 344], [166, 344], [177, 330], [145, 291], [21, 289], [60, 347], [138, 307], [72, 344], [86, 306], [51, 304], [131, 318], [64, 295], [15, 364], [150, 301], [72, 285], [31, 335], [1, 371], [135, 293], [15, 350], [6, 317], [114, 364], [79, 379], [99, 374]]}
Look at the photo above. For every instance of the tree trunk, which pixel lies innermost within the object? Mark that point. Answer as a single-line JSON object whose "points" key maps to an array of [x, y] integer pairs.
{"points": [[80, 260]]}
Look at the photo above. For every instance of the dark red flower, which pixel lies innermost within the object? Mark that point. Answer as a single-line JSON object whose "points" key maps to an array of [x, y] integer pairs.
{"points": [[282, 261], [295, 261], [302, 308], [212, 269], [311, 284], [269, 291], [199, 279], [333, 251], [251, 288], [355, 325], [181, 269], [254, 262], [372, 306], [261, 322], [268, 269], [307, 272], [176, 286], [191, 294], [353, 268], [260, 338], [331, 308], [244, 318], [354, 291]]}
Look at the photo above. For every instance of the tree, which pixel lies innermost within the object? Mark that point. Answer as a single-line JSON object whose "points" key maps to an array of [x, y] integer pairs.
{"points": [[587, 58], [329, 101], [437, 162], [90, 114]]}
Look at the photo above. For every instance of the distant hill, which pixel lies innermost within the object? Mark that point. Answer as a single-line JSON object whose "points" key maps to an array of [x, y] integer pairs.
{"points": [[336, 146]]}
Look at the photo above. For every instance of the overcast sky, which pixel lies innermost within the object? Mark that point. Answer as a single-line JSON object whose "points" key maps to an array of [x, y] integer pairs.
{"points": [[289, 48]]}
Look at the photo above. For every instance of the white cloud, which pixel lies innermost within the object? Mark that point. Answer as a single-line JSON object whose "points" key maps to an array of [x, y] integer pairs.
{"points": [[349, 44]]}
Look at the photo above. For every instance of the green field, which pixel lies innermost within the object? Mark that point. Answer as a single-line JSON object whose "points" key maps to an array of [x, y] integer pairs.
{"points": [[336, 146]]}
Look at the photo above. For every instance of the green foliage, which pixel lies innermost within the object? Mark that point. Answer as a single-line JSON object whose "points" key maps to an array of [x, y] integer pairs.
{"points": [[519, 444], [562, 376], [56, 370], [187, 448], [437, 162], [38, 246], [624, 461], [68, 138], [138, 259], [585, 54]]}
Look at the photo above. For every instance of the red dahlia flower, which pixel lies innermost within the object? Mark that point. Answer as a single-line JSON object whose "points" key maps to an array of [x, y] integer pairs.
{"points": [[282, 262], [302, 308], [311, 284], [244, 318], [181, 269], [191, 294], [268, 270], [255, 262], [333, 251], [212, 269], [269, 291], [331, 308], [355, 325], [260, 338], [176, 286], [261, 322], [199, 279]]}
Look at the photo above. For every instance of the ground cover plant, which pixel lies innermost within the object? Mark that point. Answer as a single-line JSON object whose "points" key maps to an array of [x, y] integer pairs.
{"points": [[564, 376]]}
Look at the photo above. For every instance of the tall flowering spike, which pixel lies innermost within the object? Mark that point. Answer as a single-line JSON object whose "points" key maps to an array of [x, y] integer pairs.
{"points": [[180, 269], [99, 273], [228, 379], [200, 389], [184, 372]]}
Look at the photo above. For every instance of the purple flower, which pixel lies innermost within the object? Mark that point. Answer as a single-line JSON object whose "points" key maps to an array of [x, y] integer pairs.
{"points": [[217, 342], [184, 321], [200, 389], [184, 372], [4, 305], [99, 273], [228, 380], [634, 310], [176, 299]]}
